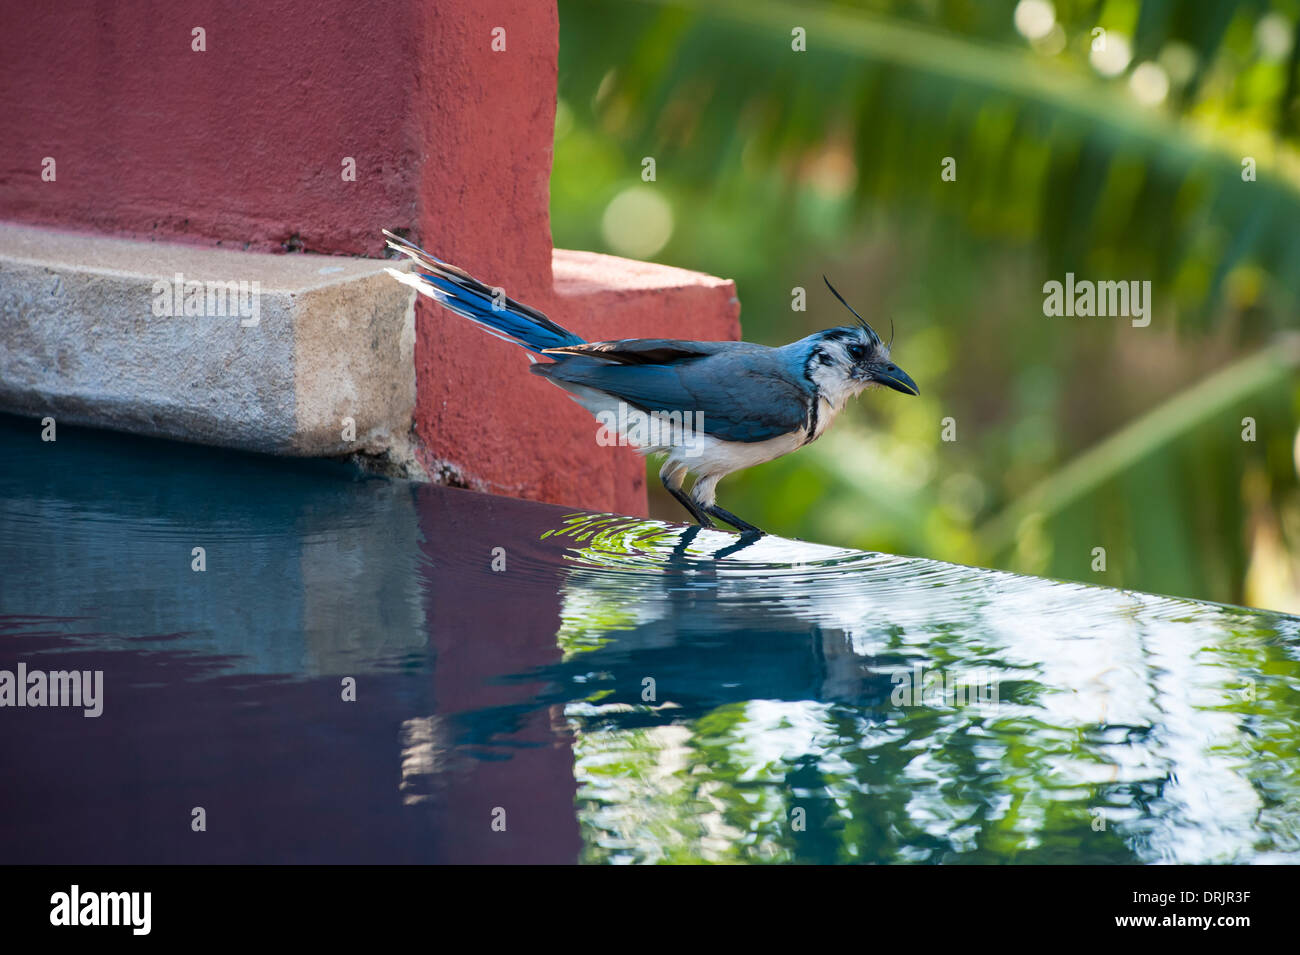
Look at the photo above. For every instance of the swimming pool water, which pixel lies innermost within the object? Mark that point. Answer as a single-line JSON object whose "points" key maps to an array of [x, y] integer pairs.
{"points": [[369, 670]]}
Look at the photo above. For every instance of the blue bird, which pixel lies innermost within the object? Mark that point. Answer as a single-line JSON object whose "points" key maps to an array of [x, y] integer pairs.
{"points": [[711, 407]]}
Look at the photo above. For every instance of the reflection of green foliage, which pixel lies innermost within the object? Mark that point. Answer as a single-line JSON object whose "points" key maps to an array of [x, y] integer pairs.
{"points": [[932, 785], [1132, 716], [612, 534], [608, 541], [780, 166]]}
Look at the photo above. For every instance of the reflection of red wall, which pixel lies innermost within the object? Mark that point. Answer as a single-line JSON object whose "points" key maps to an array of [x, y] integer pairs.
{"points": [[484, 626], [242, 145]]}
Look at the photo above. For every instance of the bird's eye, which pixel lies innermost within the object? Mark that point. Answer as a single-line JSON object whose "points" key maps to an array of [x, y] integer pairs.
{"points": [[857, 352]]}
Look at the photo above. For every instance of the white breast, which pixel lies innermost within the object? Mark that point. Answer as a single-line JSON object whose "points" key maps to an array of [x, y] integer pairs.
{"points": [[716, 458]]}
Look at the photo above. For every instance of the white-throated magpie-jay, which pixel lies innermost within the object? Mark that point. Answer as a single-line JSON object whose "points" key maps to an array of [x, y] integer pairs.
{"points": [[711, 407]]}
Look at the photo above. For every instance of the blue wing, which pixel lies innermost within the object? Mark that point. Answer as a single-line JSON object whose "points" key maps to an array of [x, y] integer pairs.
{"points": [[742, 392]]}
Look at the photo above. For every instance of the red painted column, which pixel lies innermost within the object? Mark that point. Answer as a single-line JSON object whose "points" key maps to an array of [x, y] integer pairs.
{"points": [[481, 417], [485, 190]]}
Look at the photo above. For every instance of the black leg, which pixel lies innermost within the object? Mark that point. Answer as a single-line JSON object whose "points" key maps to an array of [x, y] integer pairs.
{"points": [[727, 517], [700, 517]]}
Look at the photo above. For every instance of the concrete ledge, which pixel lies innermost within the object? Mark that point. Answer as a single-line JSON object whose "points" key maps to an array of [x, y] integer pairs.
{"points": [[318, 340], [590, 273]]}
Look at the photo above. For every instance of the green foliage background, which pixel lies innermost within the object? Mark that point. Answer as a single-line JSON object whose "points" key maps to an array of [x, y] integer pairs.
{"points": [[1072, 433]]}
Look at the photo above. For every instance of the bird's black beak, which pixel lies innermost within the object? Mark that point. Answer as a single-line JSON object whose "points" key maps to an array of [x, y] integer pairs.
{"points": [[891, 376]]}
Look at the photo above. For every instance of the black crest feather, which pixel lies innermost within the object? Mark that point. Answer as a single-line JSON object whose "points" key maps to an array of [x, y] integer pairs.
{"points": [[861, 321]]}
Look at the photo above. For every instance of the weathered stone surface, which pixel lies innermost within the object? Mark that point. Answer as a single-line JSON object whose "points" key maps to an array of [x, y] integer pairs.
{"points": [[328, 339]]}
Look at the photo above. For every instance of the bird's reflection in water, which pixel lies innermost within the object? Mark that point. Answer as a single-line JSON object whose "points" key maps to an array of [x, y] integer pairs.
{"points": [[674, 619]]}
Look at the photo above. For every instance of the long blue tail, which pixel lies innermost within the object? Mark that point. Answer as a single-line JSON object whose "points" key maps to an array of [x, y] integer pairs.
{"points": [[487, 307]]}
